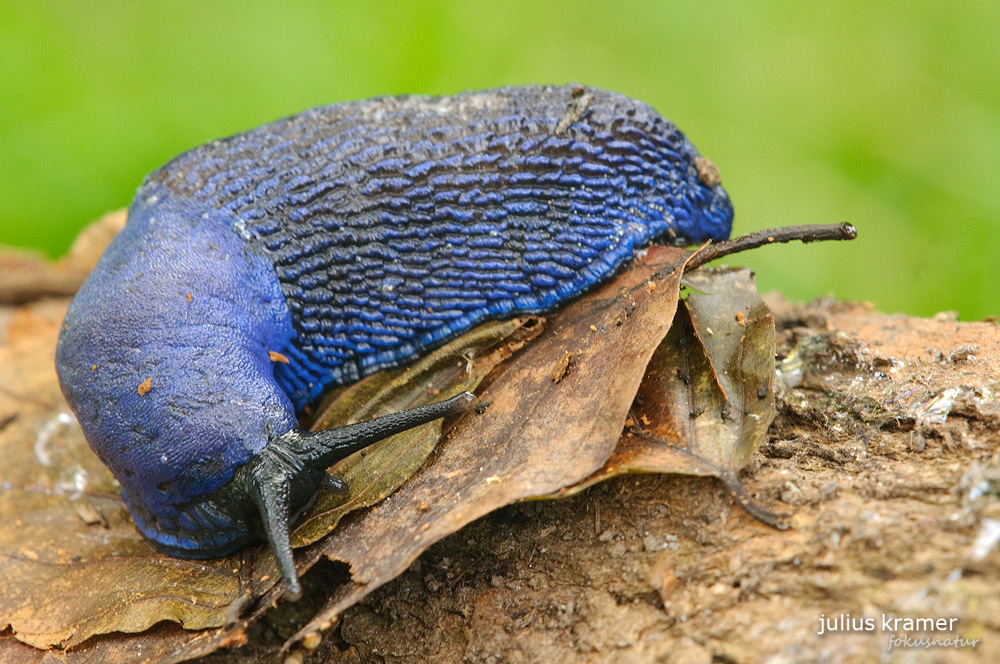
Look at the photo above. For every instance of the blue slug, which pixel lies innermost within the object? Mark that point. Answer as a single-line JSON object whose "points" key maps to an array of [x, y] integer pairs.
{"points": [[341, 241]]}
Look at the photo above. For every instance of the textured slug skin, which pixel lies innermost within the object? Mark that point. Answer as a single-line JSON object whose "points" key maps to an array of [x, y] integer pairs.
{"points": [[349, 238]]}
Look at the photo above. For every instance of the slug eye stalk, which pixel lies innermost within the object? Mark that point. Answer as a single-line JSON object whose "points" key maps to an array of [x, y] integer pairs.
{"points": [[282, 481]]}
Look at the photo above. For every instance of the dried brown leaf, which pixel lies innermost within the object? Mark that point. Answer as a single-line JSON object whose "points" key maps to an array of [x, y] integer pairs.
{"points": [[736, 329], [164, 643], [706, 400], [536, 434]]}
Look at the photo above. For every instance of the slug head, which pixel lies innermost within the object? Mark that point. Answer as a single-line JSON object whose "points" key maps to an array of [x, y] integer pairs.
{"points": [[163, 355], [164, 359], [282, 481]]}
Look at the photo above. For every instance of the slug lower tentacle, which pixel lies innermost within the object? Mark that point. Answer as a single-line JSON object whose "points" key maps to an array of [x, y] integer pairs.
{"points": [[257, 271]]}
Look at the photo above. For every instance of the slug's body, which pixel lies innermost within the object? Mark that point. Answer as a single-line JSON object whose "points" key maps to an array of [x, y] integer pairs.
{"points": [[346, 239]]}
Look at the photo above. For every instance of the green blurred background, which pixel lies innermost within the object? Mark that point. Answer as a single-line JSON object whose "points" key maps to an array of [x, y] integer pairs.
{"points": [[883, 114]]}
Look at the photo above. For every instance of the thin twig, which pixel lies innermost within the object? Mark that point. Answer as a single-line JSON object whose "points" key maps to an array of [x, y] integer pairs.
{"points": [[751, 506], [806, 233]]}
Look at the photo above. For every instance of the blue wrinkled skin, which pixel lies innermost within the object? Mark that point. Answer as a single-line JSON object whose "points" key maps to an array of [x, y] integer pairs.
{"points": [[350, 238]]}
